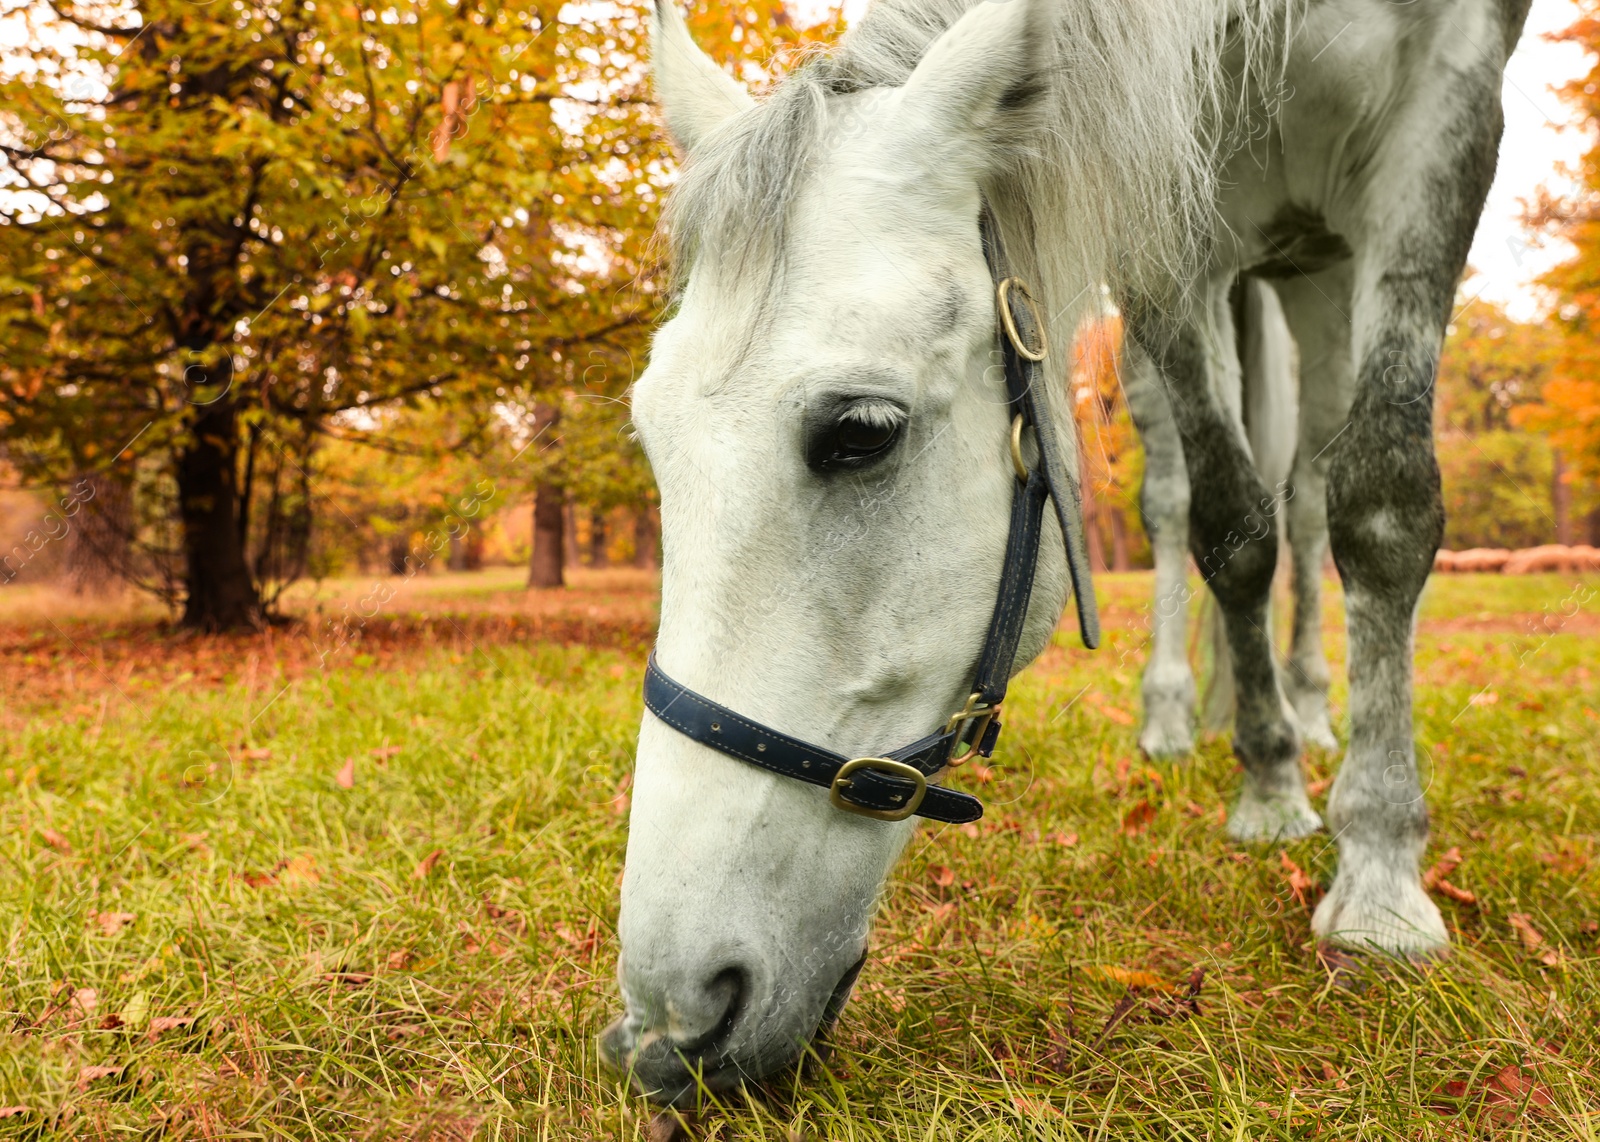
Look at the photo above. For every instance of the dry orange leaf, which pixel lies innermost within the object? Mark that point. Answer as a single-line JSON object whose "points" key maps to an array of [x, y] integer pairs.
{"points": [[55, 840], [346, 777], [89, 1074], [1504, 1094], [1129, 977], [111, 922], [1532, 939], [15, 1111], [1459, 895], [425, 865], [1137, 819], [1300, 884], [299, 870], [942, 875], [164, 1023], [84, 1001], [1442, 868], [384, 752], [1065, 840], [262, 754]]}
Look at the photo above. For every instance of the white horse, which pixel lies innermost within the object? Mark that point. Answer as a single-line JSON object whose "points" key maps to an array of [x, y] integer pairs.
{"points": [[1259, 385], [829, 434]]}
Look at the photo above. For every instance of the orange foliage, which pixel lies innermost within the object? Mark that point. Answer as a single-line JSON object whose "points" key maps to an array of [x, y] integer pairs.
{"points": [[1569, 411], [1112, 460]]}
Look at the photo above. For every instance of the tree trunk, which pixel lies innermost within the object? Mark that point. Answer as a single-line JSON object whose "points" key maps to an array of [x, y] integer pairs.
{"points": [[1594, 527], [569, 533], [219, 592], [1119, 537], [1560, 497], [644, 537], [102, 532], [472, 558], [549, 537], [597, 538]]}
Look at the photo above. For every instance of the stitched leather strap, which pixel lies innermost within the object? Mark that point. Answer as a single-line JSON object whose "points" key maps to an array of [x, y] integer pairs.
{"points": [[1025, 387], [713, 724]]}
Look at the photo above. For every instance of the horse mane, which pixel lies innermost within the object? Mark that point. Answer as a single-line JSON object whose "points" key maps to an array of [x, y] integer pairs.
{"points": [[1115, 183]]}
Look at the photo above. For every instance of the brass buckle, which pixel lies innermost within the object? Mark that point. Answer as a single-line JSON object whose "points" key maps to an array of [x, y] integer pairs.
{"points": [[1003, 292], [973, 711], [882, 765], [1017, 465]]}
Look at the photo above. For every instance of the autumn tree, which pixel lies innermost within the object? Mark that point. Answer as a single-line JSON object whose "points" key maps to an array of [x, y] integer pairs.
{"points": [[225, 224], [1568, 411]]}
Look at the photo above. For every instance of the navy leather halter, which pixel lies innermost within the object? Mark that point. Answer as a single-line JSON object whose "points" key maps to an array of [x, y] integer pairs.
{"points": [[894, 785]]}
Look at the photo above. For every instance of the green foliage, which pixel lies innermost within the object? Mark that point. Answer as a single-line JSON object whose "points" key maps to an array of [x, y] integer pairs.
{"points": [[1496, 489]]}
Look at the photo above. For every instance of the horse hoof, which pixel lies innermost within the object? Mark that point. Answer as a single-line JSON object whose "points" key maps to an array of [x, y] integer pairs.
{"points": [[1283, 818]]}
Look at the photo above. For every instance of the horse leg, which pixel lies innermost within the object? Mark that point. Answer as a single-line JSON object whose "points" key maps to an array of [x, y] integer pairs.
{"points": [[1168, 683], [1234, 540], [1315, 307], [1385, 516]]}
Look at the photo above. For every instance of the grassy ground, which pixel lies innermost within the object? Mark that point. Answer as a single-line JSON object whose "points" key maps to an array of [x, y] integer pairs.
{"points": [[359, 881]]}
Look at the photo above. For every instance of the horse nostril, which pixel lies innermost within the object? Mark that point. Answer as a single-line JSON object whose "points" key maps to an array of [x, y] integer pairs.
{"points": [[733, 984]]}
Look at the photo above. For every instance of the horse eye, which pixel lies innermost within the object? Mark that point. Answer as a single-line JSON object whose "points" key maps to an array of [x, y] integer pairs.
{"points": [[861, 434]]}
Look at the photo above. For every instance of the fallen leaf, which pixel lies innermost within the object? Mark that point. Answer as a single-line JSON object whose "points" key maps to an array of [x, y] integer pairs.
{"points": [[261, 754], [385, 752], [1137, 819], [111, 1022], [1442, 868], [425, 865], [1506, 1094], [1483, 698], [15, 1111], [1300, 885], [111, 922], [1532, 939], [90, 1074], [1121, 717], [942, 875], [55, 840], [348, 978], [1129, 977], [298, 870], [164, 1023], [1319, 787], [1065, 840], [84, 1001], [1460, 895], [346, 777], [399, 961], [1530, 936]]}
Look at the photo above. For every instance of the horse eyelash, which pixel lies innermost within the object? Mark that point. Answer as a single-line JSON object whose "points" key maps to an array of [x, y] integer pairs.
{"points": [[876, 414]]}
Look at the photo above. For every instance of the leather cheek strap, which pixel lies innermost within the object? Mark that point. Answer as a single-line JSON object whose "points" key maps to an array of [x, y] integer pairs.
{"points": [[712, 724]]}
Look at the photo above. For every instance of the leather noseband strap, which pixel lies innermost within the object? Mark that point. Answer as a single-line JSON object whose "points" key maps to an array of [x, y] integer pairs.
{"points": [[895, 785]]}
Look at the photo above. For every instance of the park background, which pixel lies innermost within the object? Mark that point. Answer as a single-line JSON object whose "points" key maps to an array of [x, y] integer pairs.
{"points": [[327, 565]]}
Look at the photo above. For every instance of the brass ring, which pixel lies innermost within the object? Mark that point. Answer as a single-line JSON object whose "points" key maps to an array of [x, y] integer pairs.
{"points": [[1017, 465], [1003, 292]]}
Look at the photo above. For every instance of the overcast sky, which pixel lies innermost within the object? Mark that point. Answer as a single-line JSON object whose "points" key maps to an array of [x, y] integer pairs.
{"points": [[1533, 148]]}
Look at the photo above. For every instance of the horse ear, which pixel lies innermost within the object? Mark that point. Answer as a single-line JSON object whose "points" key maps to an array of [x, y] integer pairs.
{"points": [[695, 93], [987, 67]]}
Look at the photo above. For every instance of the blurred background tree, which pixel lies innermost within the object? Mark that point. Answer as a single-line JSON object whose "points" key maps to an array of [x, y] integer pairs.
{"points": [[239, 240]]}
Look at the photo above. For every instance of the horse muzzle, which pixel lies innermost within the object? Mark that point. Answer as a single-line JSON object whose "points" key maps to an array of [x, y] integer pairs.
{"points": [[734, 1025]]}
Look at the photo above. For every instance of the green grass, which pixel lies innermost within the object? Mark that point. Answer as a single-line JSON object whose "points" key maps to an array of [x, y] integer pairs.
{"points": [[332, 982]]}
